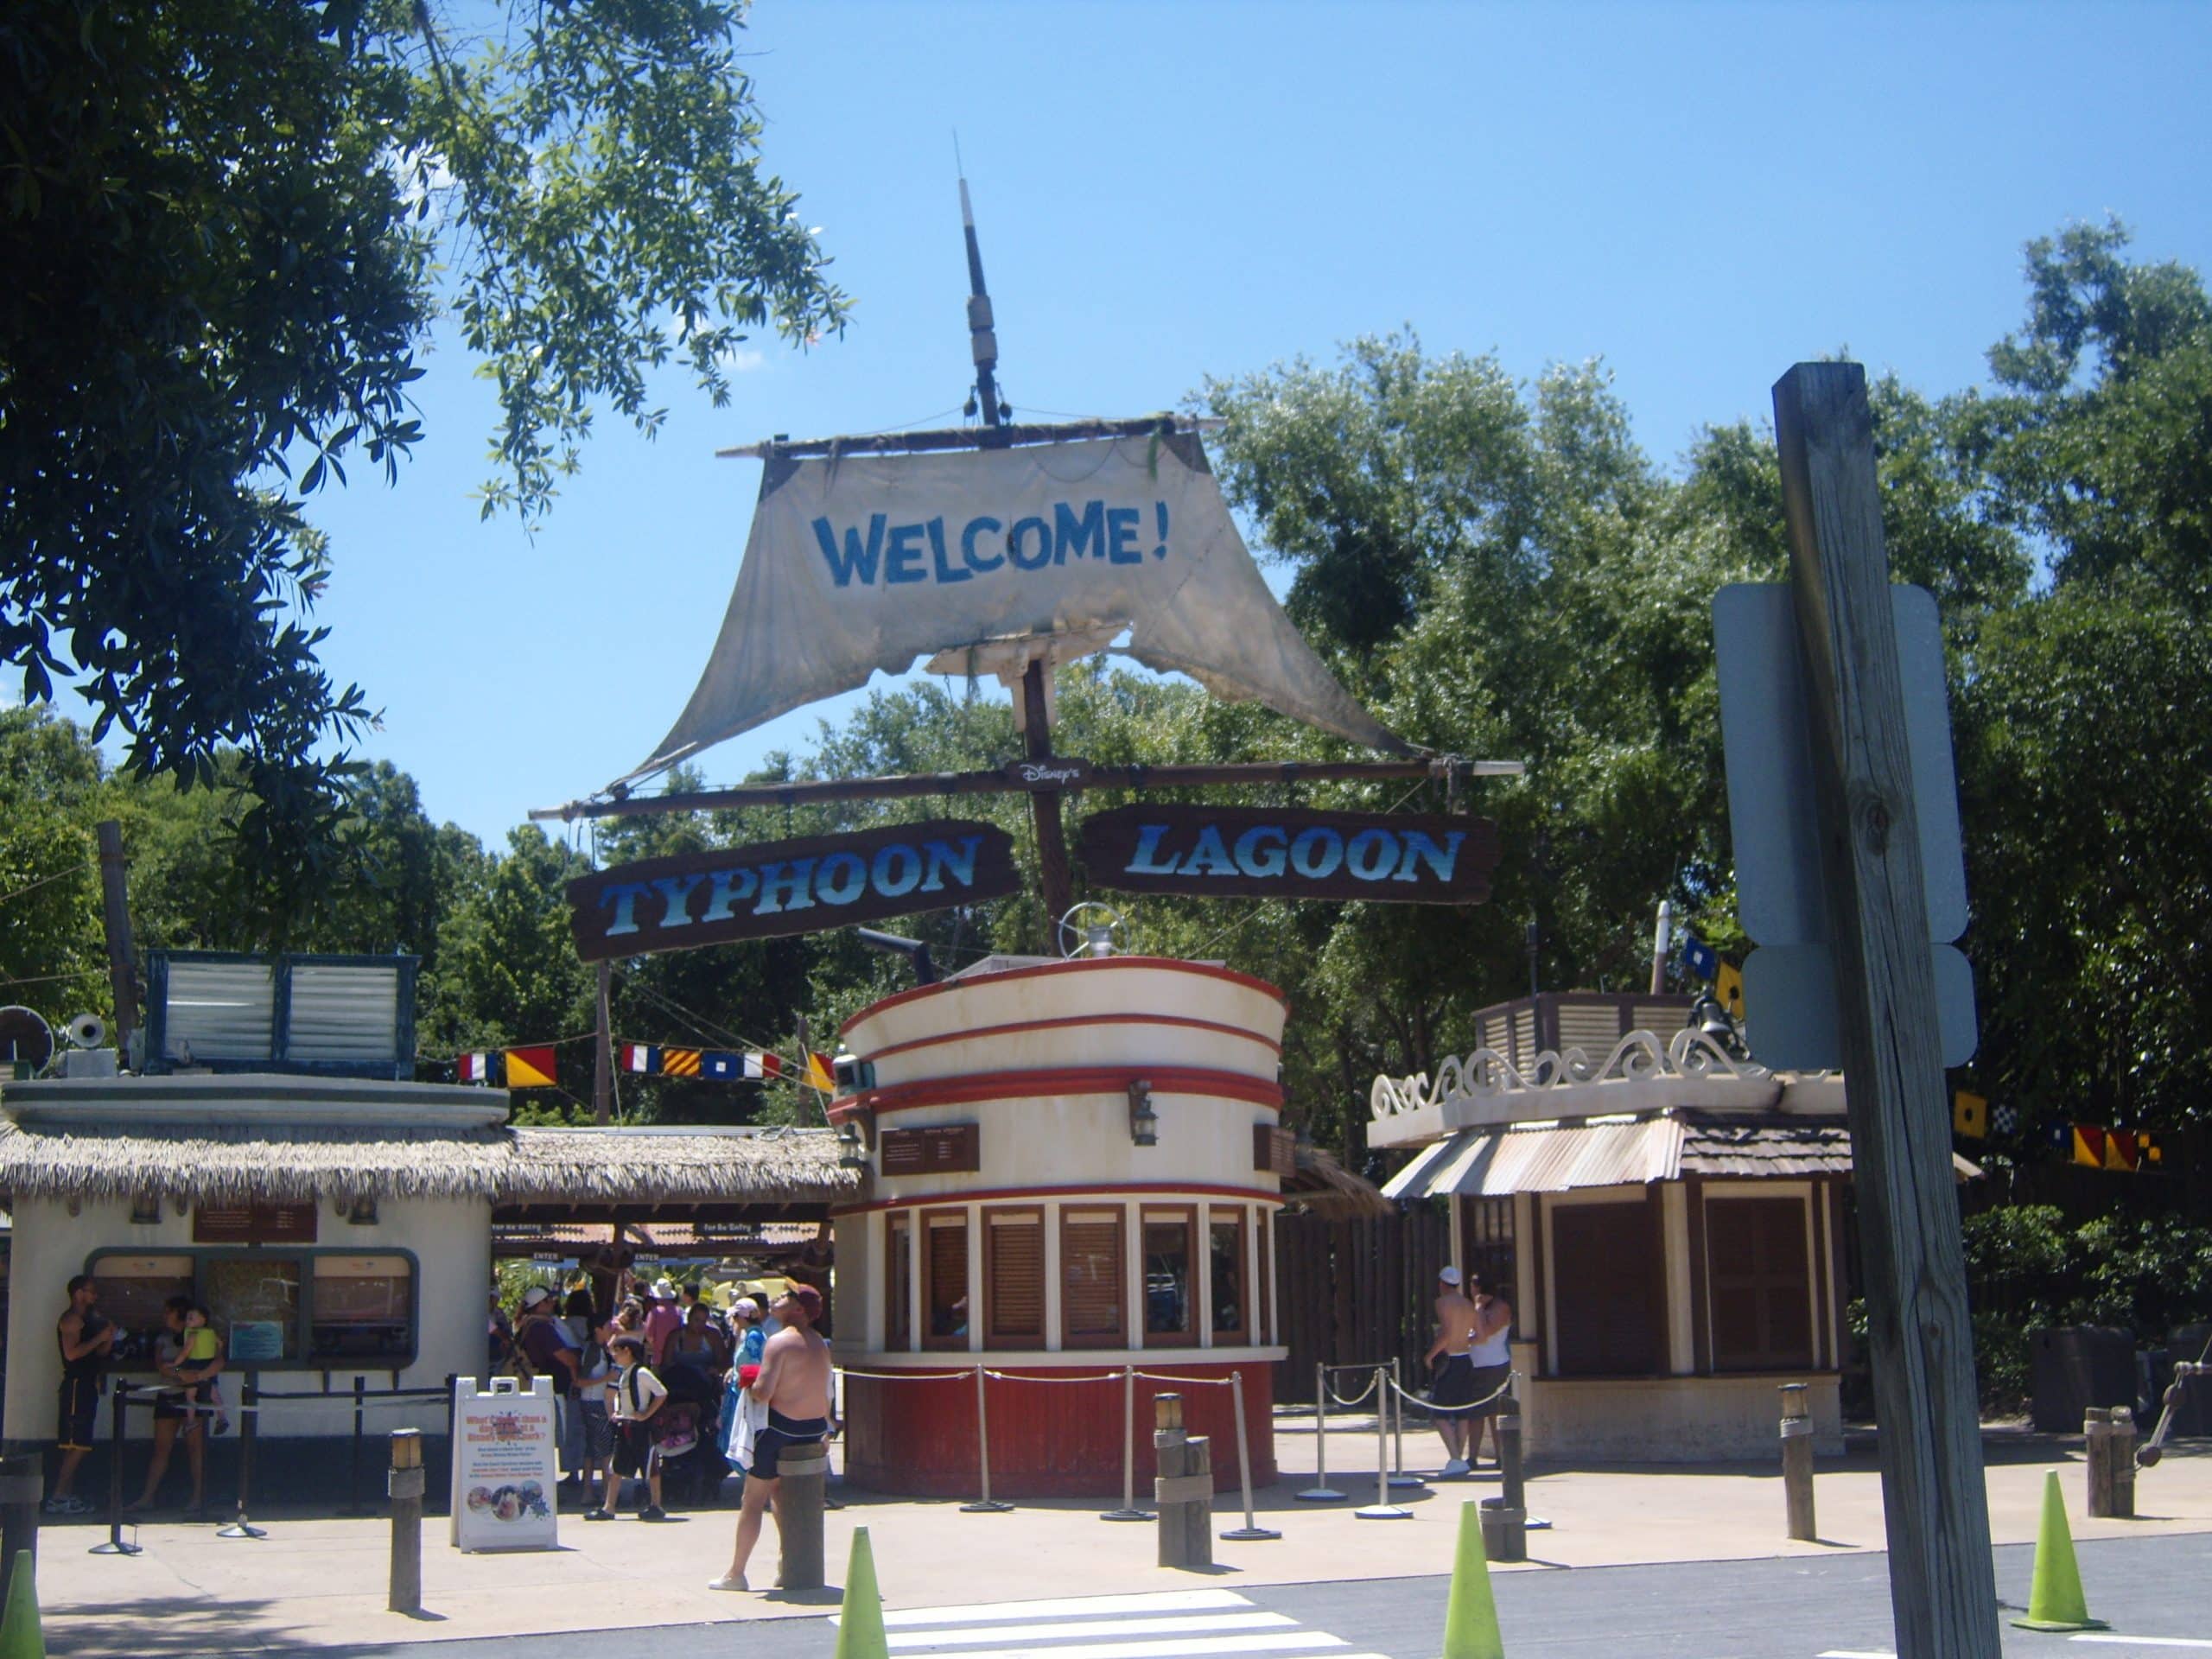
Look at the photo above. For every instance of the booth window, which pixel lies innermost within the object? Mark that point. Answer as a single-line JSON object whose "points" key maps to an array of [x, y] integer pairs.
{"points": [[897, 1283], [944, 1296], [134, 1293], [1225, 1265], [1761, 1282], [1091, 1269], [1263, 1311], [1013, 1278], [1610, 1289], [1170, 1301], [362, 1308], [256, 1303]]}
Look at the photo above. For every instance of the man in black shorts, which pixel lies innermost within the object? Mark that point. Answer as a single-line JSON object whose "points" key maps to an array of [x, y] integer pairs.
{"points": [[86, 1338], [795, 1382]]}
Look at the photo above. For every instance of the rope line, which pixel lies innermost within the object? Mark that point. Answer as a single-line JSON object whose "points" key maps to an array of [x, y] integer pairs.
{"points": [[1339, 1400], [1188, 1382], [32, 887], [1434, 1410], [1015, 1376], [913, 1377]]}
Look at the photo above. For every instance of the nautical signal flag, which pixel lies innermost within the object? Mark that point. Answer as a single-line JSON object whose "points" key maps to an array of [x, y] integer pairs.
{"points": [[473, 1068], [1699, 957], [679, 1062], [1728, 985], [820, 1074], [531, 1068], [762, 1065], [1970, 1115], [718, 1067], [2099, 1148], [640, 1057]]}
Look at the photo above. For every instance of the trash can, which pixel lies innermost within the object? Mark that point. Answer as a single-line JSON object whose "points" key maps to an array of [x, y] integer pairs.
{"points": [[2074, 1366]]}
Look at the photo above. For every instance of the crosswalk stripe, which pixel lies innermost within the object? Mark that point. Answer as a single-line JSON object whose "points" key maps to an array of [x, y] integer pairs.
{"points": [[1153, 1601], [1859, 1653], [1197, 1647], [1067, 1629], [2149, 1641]]}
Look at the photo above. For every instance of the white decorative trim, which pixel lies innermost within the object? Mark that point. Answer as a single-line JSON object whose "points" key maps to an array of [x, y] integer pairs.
{"points": [[1639, 1057]]}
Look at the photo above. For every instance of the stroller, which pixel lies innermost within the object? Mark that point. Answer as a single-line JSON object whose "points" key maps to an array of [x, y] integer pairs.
{"points": [[692, 1467]]}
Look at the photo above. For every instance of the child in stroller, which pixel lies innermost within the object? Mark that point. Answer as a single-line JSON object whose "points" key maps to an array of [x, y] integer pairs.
{"points": [[692, 1465]]}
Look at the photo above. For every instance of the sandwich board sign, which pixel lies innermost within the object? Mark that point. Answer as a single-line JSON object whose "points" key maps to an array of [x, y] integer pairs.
{"points": [[504, 1464]]}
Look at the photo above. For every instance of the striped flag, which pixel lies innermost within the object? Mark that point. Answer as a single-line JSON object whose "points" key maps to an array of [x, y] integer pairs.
{"points": [[531, 1068], [720, 1067], [640, 1057], [679, 1062], [819, 1074], [763, 1066], [473, 1068]]}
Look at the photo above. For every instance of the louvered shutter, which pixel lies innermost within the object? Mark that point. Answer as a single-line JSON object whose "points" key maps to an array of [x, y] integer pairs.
{"points": [[1090, 1278], [1014, 1270], [945, 1301]]}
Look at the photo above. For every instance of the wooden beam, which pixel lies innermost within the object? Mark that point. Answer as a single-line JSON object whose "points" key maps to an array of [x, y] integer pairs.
{"points": [[1942, 1587], [1054, 874], [969, 437], [921, 785]]}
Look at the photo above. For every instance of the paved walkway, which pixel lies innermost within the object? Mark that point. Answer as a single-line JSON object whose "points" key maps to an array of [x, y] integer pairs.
{"points": [[321, 1583]]}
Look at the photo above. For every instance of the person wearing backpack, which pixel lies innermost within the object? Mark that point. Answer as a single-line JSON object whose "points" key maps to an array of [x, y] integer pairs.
{"points": [[636, 1396]]}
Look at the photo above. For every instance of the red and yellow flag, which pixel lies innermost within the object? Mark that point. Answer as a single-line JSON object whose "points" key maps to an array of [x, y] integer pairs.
{"points": [[531, 1068], [820, 1074]]}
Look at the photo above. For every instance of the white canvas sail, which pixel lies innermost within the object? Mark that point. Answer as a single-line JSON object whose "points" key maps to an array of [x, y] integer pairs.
{"points": [[865, 563]]}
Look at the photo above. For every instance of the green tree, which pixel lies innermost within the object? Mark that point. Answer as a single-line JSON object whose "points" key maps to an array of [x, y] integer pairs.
{"points": [[228, 227]]}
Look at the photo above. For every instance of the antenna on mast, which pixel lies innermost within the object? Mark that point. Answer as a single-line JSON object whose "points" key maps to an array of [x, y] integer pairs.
{"points": [[982, 339]]}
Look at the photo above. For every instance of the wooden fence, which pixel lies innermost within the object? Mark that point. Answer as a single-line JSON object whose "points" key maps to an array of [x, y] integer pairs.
{"points": [[1353, 1291]]}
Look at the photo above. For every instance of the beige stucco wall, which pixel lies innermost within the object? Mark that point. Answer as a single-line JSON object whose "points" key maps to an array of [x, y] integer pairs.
{"points": [[1669, 1419], [451, 1241]]}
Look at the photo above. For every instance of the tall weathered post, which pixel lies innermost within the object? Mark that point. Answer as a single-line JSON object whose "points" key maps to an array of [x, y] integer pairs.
{"points": [[1797, 1463], [1182, 1487], [1943, 1585], [405, 1485]]}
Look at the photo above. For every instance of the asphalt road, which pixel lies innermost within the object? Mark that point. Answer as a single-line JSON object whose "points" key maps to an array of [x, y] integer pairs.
{"points": [[2156, 1592]]}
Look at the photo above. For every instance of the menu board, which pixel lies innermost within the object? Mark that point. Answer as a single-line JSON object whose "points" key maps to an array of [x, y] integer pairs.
{"points": [[950, 1148], [504, 1472], [253, 1224]]}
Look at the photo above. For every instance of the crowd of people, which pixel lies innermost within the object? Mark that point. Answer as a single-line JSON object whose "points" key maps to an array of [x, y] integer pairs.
{"points": [[659, 1385]]}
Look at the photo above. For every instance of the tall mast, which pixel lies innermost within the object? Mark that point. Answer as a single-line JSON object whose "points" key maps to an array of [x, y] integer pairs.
{"points": [[982, 339]]}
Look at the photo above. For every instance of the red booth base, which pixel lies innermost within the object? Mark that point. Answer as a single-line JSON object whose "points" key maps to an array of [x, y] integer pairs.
{"points": [[1055, 1432]]}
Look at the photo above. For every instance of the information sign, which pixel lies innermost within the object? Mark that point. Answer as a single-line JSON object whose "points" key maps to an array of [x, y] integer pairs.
{"points": [[504, 1464]]}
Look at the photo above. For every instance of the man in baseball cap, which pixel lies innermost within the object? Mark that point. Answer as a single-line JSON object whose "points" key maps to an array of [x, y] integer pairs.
{"points": [[1454, 1384], [794, 1381]]}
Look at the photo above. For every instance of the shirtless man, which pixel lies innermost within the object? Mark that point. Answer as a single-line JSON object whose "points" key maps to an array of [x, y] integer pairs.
{"points": [[794, 1381], [1454, 1382]]}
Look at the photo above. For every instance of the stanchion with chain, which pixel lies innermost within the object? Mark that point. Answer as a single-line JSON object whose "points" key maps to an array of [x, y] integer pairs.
{"points": [[1320, 1491], [1128, 1511], [983, 1505], [115, 1546], [248, 1408], [1382, 1508], [1251, 1529], [1399, 1477]]}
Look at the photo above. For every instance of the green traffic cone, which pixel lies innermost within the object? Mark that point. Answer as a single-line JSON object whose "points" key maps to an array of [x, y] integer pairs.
{"points": [[2055, 1598], [20, 1636], [860, 1621], [1471, 1616]]}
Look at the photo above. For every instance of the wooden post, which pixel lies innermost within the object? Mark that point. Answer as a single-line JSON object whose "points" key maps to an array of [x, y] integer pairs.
{"points": [[803, 1484], [602, 1059], [115, 915], [22, 1485], [1052, 873], [405, 1484], [1942, 1582], [1798, 1462], [1182, 1487], [1505, 1517]]}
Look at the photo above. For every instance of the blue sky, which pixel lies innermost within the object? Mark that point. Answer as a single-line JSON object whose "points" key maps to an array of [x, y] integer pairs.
{"points": [[1697, 195]]}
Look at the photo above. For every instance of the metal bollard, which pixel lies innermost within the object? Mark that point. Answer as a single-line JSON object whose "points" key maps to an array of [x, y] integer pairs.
{"points": [[1798, 1462], [803, 1482], [1320, 1491], [1382, 1508], [405, 1485], [1398, 1475], [354, 1453], [22, 1485], [249, 1398], [1182, 1486], [983, 1505], [2109, 1437], [1505, 1517], [1251, 1531], [115, 1546], [1128, 1511]]}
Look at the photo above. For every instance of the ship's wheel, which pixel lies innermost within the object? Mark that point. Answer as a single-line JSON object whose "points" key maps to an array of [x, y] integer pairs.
{"points": [[1089, 929]]}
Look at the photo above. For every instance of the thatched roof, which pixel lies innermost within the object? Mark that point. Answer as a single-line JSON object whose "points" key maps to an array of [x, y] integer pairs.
{"points": [[269, 1163], [1326, 1188]]}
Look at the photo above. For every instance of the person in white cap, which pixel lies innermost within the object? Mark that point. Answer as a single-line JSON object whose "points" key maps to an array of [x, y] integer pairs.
{"points": [[662, 1320], [1454, 1383]]}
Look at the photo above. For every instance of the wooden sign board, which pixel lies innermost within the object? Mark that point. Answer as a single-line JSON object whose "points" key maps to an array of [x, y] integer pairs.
{"points": [[942, 1148], [1274, 1152], [254, 1223], [788, 886], [1262, 853]]}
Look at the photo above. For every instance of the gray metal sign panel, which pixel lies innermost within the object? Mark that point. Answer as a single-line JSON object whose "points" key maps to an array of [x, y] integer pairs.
{"points": [[1790, 1007], [1766, 733]]}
